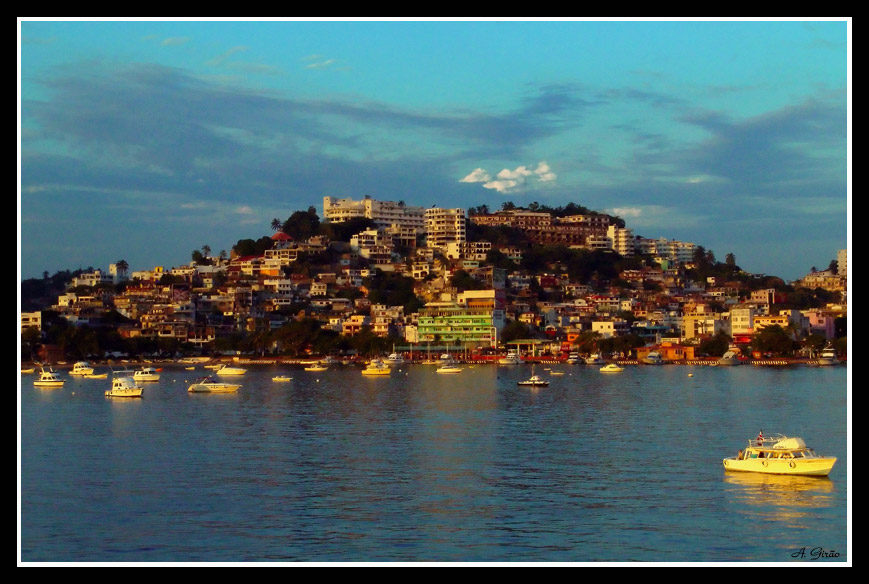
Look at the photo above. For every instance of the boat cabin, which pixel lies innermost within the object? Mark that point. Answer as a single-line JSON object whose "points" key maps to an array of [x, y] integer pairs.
{"points": [[777, 448]]}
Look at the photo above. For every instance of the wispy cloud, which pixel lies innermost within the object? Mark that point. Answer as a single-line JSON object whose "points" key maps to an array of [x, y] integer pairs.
{"points": [[174, 41]]}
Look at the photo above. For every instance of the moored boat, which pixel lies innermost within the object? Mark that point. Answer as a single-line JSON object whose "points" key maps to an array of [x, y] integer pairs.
{"points": [[611, 368], [376, 367], [211, 385], [81, 368], [573, 358], [534, 381], [316, 367], [146, 374], [229, 370], [730, 358], [511, 358], [124, 386], [48, 378], [828, 356], [281, 378], [653, 358], [595, 359], [97, 375], [395, 359], [784, 455], [448, 368]]}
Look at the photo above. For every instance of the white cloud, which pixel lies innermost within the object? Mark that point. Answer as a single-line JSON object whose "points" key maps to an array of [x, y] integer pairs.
{"points": [[519, 172], [508, 179], [478, 175], [544, 173], [502, 186], [244, 210], [625, 212]]}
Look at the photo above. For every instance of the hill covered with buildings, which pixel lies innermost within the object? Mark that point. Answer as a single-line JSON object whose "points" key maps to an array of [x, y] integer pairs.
{"points": [[367, 275]]}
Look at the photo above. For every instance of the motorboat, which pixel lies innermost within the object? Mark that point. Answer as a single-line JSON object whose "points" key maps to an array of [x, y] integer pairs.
{"points": [[611, 368], [730, 358], [595, 359], [376, 367], [556, 372], [511, 358], [281, 378], [448, 368], [229, 370], [315, 367], [395, 359], [211, 385], [534, 381], [124, 386], [573, 358], [103, 375], [49, 378], [653, 358], [147, 374], [28, 370], [828, 356], [781, 455], [81, 368]]}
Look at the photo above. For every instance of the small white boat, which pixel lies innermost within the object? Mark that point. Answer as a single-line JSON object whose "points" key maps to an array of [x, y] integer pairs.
{"points": [[573, 358], [281, 378], [211, 385], [229, 370], [124, 386], [595, 359], [317, 367], [611, 368], [534, 381], [48, 378], [97, 375], [377, 367], [448, 369], [395, 359], [81, 368], [511, 358], [556, 372], [729, 358], [653, 358], [828, 356], [28, 370], [146, 374]]}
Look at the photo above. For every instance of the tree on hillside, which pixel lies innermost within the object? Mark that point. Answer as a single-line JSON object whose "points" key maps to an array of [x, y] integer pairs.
{"points": [[302, 225]]}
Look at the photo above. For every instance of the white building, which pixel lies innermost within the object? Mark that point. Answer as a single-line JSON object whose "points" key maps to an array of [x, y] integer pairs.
{"points": [[384, 213], [445, 226]]}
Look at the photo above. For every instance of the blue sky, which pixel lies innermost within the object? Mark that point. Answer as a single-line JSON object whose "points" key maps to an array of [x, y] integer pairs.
{"points": [[146, 140]]}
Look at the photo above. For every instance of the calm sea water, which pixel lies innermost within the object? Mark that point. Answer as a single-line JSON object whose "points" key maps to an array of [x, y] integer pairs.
{"points": [[422, 467]]}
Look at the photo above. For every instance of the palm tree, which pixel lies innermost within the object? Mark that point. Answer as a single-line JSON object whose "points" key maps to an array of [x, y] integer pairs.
{"points": [[206, 250], [277, 224], [122, 266]]}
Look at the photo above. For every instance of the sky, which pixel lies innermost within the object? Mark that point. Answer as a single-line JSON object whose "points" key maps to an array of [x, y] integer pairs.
{"points": [[146, 140]]}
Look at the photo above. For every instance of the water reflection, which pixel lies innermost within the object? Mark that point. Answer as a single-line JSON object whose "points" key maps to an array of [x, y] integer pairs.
{"points": [[780, 497]]}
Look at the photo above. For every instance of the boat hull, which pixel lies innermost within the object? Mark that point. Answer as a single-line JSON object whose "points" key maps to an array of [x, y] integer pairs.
{"points": [[213, 388], [133, 392], [815, 467]]}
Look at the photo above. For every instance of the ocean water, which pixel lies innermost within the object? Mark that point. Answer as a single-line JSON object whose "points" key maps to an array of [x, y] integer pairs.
{"points": [[420, 467]]}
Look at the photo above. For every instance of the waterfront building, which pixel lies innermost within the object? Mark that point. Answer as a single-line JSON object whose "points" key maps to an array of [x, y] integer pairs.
{"points": [[468, 325]]}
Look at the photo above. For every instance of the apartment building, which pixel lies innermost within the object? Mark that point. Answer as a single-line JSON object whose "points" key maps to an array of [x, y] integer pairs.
{"points": [[384, 213], [445, 226]]}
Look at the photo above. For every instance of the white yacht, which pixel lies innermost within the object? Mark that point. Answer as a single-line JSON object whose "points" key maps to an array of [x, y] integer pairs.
{"points": [[82, 368], [511, 358], [124, 386], [146, 374], [828, 356]]}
